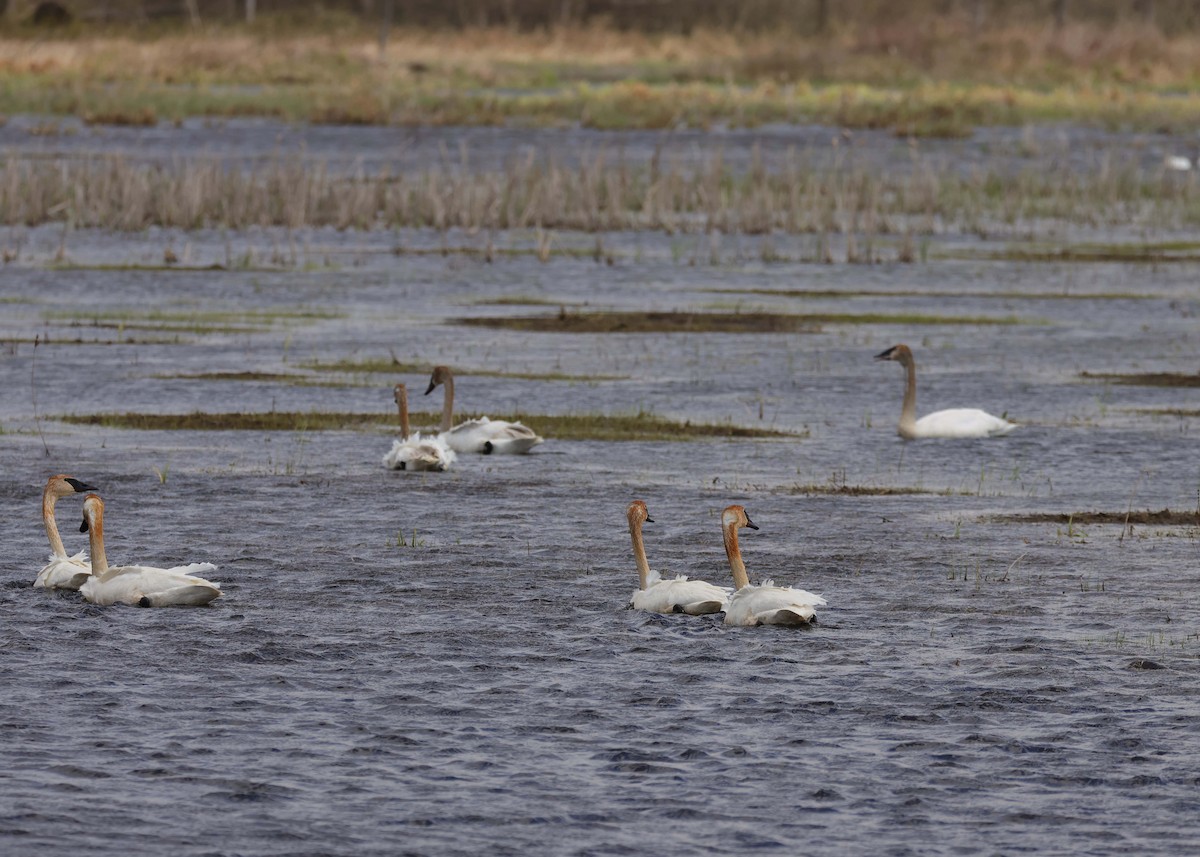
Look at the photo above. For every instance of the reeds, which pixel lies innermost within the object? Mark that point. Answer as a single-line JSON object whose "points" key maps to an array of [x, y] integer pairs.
{"points": [[797, 194]]}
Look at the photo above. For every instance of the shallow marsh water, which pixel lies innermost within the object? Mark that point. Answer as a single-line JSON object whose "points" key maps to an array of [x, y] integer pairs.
{"points": [[443, 663]]}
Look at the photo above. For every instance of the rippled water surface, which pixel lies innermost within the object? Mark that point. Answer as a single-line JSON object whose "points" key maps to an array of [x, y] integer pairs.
{"points": [[443, 663]]}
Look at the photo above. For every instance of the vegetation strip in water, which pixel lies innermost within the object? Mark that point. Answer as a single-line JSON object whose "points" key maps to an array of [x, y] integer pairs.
{"points": [[707, 322], [799, 194], [836, 294], [1145, 379], [1164, 517], [867, 490], [616, 427], [383, 366]]}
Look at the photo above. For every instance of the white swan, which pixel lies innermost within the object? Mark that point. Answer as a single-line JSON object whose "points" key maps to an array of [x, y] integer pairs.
{"points": [[139, 585], [955, 422], [481, 435], [760, 605], [655, 595], [62, 572], [412, 452]]}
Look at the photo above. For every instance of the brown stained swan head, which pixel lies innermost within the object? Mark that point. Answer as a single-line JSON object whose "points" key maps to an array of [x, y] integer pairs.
{"points": [[61, 485], [736, 517], [441, 374], [93, 513], [902, 354], [638, 513]]}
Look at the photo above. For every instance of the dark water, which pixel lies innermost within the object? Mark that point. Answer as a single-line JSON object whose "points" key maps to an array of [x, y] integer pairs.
{"points": [[442, 663]]}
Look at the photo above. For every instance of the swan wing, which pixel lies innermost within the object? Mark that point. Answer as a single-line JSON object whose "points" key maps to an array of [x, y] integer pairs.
{"points": [[146, 586], [488, 436], [64, 572], [962, 422], [771, 605], [681, 595]]}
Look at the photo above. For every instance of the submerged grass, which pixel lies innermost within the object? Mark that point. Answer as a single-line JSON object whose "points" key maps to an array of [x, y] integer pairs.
{"points": [[867, 490], [836, 294], [1145, 379], [1144, 253], [596, 427], [1163, 517], [394, 367], [709, 322]]}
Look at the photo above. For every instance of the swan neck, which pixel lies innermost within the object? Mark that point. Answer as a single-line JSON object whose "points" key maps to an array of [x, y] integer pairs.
{"points": [[639, 552], [56, 543], [448, 405], [735, 557], [908, 410], [96, 544], [402, 403]]}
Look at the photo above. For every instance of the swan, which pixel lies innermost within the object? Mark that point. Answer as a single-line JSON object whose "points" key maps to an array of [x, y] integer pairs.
{"points": [[481, 435], [655, 595], [139, 585], [62, 572], [760, 605], [955, 422], [411, 452]]}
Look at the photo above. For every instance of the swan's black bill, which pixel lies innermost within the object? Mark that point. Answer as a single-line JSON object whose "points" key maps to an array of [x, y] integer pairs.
{"points": [[649, 520], [432, 387], [886, 355], [83, 528], [751, 524], [80, 487]]}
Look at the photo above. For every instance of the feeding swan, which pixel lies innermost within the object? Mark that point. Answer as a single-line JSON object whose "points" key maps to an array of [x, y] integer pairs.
{"points": [[481, 435], [412, 452], [767, 604], [655, 595], [139, 585], [62, 572], [955, 422]]}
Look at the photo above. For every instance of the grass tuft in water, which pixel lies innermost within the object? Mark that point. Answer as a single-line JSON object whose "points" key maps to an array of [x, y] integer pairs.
{"points": [[1145, 379]]}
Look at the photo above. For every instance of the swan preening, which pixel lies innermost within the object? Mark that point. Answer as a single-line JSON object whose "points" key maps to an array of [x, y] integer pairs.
{"points": [[412, 452], [481, 435], [767, 604], [955, 422], [62, 572], [139, 585], [655, 595]]}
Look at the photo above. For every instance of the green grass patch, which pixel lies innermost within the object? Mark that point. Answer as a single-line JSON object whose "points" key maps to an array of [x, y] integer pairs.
{"points": [[598, 427], [709, 322], [1145, 379]]}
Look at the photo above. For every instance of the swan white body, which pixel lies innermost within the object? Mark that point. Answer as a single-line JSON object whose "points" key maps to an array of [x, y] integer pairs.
{"points": [[411, 451], [490, 436], [767, 604], [482, 435], [655, 595], [1179, 163], [62, 571], [954, 422], [140, 585]]}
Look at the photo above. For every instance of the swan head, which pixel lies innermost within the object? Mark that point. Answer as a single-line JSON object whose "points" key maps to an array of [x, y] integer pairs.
{"points": [[93, 513], [61, 485], [441, 374], [637, 512], [400, 394], [736, 517], [902, 354]]}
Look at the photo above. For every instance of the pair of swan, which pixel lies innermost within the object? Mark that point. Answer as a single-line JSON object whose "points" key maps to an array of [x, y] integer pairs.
{"points": [[139, 585], [438, 453], [954, 422], [745, 605]]}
